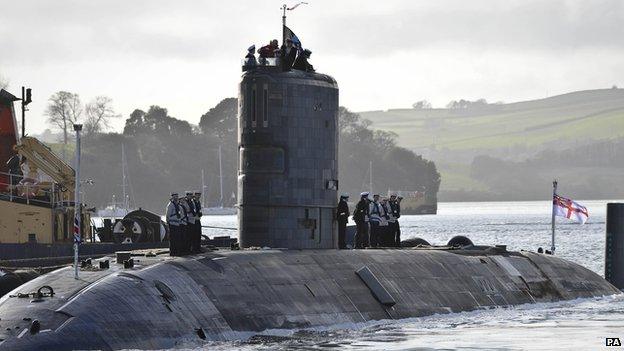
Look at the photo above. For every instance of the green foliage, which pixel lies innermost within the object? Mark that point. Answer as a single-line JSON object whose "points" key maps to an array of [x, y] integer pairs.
{"points": [[156, 121], [220, 121], [587, 172], [165, 154], [592, 114], [394, 168]]}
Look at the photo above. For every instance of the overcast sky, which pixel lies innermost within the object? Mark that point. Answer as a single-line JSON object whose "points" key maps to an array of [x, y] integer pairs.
{"points": [[186, 55]]}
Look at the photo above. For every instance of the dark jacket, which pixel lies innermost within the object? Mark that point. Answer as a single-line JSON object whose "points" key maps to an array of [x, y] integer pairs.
{"points": [[361, 211], [342, 212], [395, 207], [287, 58], [302, 64]]}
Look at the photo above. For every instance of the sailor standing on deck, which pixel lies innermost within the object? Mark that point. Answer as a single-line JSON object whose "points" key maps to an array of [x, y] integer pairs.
{"points": [[189, 221], [196, 239], [377, 219], [342, 215], [395, 213], [174, 220], [360, 217], [389, 220]]}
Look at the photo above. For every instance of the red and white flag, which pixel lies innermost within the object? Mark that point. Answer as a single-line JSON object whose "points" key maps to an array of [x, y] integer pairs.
{"points": [[567, 208]]}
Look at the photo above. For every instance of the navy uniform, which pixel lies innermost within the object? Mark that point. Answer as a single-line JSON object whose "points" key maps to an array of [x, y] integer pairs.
{"points": [[360, 217], [189, 222], [377, 221], [174, 219], [250, 58], [301, 63], [342, 216], [387, 238], [196, 238], [288, 53], [395, 211]]}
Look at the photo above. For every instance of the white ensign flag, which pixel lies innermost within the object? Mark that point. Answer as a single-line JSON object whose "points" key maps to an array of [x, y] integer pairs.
{"points": [[567, 208]]}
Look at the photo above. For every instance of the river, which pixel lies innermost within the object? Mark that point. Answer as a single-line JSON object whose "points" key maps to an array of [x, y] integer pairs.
{"points": [[570, 325]]}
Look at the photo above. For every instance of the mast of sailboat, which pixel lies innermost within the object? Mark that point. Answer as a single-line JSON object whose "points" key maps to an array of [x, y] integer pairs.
{"points": [[220, 180], [203, 189], [124, 182], [370, 175]]}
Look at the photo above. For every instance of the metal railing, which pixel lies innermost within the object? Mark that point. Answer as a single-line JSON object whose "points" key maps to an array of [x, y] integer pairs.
{"points": [[260, 62], [20, 188]]}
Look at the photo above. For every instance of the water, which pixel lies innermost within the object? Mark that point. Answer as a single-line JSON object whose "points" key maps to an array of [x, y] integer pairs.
{"points": [[570, 325]]}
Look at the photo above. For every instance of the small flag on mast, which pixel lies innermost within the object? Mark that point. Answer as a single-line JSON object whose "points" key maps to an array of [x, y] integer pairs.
{"points": [[76, 228], [289, 34], [569, 209]]}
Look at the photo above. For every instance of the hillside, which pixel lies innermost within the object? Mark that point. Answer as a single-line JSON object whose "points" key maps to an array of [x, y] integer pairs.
{"points": [[514, 132], [573, 117]]}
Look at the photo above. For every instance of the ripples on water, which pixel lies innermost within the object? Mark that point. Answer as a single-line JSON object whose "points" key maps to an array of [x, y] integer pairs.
{"points": [[569, 325]]}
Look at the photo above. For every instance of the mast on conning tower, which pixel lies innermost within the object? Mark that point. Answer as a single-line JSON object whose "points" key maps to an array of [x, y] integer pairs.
{"points": [[284, 8]]}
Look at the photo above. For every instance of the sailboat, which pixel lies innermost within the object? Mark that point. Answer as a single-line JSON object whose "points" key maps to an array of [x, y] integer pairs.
{"points": [[119, 209], [217, 210]]}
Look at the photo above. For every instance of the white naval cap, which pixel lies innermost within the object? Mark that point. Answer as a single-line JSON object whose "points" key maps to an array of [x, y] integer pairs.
{"points": [[365, 193]]}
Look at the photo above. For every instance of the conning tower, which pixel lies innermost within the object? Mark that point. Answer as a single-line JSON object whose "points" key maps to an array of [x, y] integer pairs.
{"points": [[288, 158]]}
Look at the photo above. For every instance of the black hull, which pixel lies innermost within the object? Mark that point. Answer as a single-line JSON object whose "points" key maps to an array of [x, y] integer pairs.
{"points": [[228, 295]]}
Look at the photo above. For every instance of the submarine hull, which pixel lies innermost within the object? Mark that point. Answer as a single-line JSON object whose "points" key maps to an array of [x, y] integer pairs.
{"points": [[168, 302]]}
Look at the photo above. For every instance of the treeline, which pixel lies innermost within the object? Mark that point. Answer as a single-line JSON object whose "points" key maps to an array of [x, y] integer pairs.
{"points": [[165, 154], [593, 171]]}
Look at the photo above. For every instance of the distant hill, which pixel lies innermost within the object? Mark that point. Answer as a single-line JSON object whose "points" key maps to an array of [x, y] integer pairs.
{"points": [[573, 117], [516, 134]]}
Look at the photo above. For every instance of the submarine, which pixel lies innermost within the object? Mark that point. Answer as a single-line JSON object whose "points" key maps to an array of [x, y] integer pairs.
{"points": [[288, 272]]}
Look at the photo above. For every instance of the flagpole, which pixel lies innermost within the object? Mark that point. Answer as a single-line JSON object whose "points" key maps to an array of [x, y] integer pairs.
{"points": [[284, 7], [77, 205], [552, 246]]}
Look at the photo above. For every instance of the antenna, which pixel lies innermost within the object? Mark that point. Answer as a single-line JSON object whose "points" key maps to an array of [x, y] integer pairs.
{"points": [[285, 8], [220, 180], [124, 183], [370, 175]]}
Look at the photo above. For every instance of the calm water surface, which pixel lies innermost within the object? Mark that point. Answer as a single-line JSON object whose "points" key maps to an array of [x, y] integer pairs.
{"points": [[571, 325]]}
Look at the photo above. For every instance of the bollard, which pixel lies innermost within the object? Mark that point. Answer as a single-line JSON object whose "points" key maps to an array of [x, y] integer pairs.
{"points": [[614, 248]]}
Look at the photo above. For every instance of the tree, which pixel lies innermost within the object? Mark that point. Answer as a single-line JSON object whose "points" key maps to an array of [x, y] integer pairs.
{"points": [[64, 109], [4, 82], [156, 121], [220, 120], [422, 105], [99, 112]]}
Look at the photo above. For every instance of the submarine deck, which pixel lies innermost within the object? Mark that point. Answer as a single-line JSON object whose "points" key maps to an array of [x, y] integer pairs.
{"points": [[166, 302]]}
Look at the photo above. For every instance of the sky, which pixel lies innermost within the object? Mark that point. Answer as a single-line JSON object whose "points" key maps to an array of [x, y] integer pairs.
{"points": [[186, 55]]}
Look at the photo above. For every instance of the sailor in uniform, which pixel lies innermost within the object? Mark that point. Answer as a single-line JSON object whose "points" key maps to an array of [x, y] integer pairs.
{"points": [[377, 220], [387, 239], [360, 217], [288, 54], [196, 239], [395, 213], [174, 220], [188, 220], [342, 215]]}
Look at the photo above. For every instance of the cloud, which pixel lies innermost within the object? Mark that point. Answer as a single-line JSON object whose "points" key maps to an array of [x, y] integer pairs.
{"points": [[510, 25], [185, 55]]}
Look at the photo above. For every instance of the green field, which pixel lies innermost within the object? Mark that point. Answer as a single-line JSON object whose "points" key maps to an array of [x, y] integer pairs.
{"points": [[583, 115], [515, 131]]}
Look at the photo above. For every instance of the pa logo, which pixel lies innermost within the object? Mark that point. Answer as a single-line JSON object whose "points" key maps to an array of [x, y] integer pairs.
{"points": [[613, 342]]}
